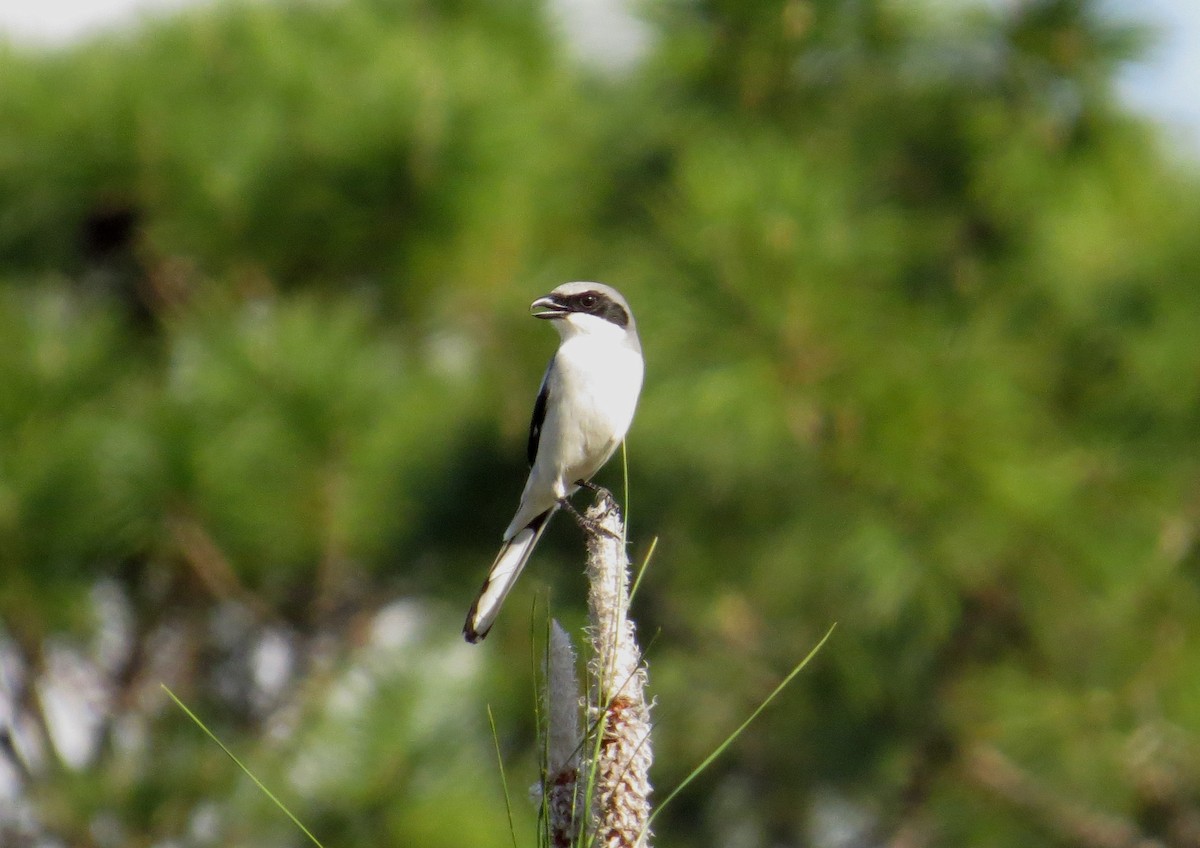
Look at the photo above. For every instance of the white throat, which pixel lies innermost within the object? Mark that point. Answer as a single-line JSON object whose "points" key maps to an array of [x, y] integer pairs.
{"points": [[579, 324]]}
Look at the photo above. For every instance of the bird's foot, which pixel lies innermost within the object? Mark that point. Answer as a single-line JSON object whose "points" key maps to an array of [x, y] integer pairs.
{"points": [[603, 495], [591, 525]]}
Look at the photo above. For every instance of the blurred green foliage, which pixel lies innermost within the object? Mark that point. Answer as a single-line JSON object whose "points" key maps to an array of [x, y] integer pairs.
{"points": [[919, 303]]}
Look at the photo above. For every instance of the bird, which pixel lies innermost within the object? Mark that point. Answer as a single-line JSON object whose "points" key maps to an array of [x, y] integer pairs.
{"points": [[583, 410]]}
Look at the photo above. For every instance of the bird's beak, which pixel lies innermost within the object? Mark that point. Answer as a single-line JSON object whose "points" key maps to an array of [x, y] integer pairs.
{"points": [[547, 307]]}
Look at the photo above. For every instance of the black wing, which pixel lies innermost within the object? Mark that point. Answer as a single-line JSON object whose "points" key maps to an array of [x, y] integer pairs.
{"points": [[539, 415]]}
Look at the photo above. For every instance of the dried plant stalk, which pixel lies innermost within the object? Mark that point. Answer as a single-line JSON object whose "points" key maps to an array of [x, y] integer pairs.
{"points": [[563, 739], [618, 708]]}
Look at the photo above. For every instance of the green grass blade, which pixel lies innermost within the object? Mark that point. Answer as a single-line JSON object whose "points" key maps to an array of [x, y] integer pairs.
{"points": [[637, 580], [733, 736], [540, 674], [242, 766], [625, 475], [512, 829]]}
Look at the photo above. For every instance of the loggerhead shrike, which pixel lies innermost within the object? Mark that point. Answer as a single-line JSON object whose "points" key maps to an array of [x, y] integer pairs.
{"points": [[582, 413]]}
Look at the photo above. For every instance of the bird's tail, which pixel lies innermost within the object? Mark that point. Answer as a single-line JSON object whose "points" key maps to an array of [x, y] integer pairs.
{"points": [[502, 575]]}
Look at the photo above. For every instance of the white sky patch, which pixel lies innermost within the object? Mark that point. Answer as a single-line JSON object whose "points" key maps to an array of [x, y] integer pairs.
{"points": [[1164, 85], [604, 33], [55, 22], [607, 34]]}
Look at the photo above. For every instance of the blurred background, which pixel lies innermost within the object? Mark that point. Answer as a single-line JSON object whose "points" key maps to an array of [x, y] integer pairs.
{"points": [[919, 287]]}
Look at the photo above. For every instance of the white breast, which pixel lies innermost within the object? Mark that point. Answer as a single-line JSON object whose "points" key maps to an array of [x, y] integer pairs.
{"points": [[594, 392]]}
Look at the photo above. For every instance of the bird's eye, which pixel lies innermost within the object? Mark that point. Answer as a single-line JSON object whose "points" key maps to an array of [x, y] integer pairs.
{"points": [[588, 301]]}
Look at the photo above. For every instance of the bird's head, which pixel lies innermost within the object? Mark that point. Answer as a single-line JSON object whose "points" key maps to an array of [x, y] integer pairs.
{"points": [[587, 308]]}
